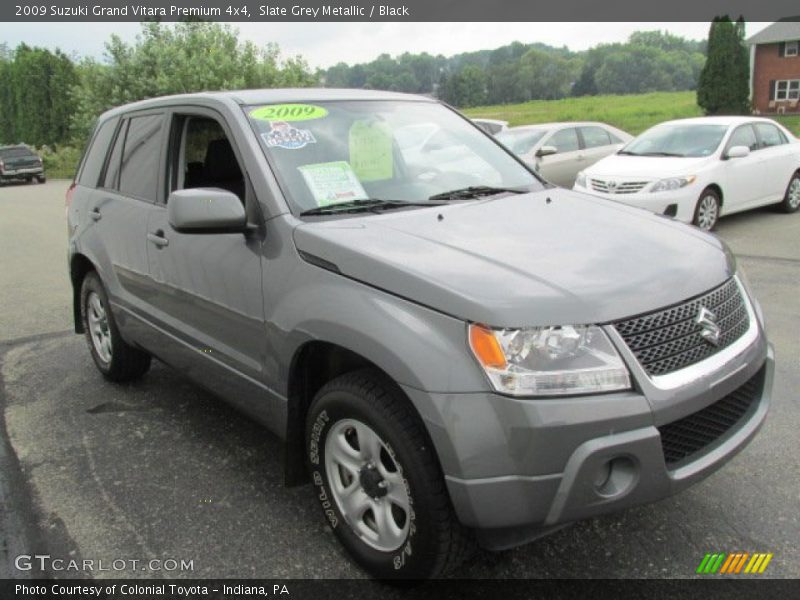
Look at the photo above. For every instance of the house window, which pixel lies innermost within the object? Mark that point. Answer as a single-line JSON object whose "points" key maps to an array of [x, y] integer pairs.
{"points": [[787, 89], [791, 48]]}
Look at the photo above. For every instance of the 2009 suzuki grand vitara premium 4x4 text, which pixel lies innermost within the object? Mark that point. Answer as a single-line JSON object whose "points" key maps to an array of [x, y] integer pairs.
{"points": [[452, 349]]}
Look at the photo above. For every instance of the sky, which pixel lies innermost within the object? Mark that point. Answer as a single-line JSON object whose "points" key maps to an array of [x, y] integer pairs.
{"points": [[325, 44]]}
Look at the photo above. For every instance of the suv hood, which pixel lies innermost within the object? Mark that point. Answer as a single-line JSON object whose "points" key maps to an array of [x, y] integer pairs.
{"points": [[544, 258], [647, 167]]}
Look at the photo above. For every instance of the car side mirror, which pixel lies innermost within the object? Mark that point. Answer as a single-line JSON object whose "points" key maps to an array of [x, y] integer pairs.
{"points": [[546, 151], [206, 210], [737, 152]]}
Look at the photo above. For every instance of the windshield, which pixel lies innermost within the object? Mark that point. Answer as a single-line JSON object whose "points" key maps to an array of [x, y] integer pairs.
{"points": [[520, 141], [329, 153], [677, 140]]}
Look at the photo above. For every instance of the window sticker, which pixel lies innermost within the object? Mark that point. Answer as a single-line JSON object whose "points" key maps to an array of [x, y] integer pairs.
{"points": [[285, 135], [288, 112], [371, 150], [333, 182]]}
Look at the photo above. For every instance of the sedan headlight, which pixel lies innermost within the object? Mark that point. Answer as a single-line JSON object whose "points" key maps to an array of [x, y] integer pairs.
{"points": [[580, 179], [549, 361], [672, 183]]}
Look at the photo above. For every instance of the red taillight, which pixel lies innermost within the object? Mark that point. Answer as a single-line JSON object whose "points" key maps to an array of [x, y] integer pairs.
{"points": [[68, 198]]}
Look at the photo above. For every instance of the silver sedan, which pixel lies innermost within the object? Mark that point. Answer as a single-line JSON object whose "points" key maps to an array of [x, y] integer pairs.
{"points": [[558, 151]]}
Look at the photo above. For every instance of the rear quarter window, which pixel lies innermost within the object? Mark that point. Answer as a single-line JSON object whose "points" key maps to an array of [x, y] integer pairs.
{"points": [[89, 175]]}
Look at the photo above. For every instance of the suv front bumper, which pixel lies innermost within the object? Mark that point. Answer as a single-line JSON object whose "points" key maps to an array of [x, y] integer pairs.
{"points": [[516, 468]]}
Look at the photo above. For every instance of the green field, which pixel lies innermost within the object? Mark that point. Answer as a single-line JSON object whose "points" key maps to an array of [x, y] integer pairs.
{"points": [[632, 113]]}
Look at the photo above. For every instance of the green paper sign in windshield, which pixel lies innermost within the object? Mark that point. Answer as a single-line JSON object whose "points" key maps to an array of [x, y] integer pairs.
{"points": [[289, 112], [371, 150]]}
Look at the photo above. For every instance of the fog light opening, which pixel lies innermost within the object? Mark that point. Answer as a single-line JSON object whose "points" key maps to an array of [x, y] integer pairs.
{"points": [[615, 477], [671, 210]]}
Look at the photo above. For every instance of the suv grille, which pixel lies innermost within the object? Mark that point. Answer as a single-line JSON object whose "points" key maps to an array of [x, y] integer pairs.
{"points": [[670, 339], [691, 434], [617, 187]]}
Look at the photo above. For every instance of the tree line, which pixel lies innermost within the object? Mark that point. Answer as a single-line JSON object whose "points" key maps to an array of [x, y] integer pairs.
{"points": [[649, 61], [47, 97]]}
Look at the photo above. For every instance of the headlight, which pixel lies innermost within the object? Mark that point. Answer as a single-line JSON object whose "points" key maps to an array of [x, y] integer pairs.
{"points": [[580, 179], [672, 183], [549, 361]]}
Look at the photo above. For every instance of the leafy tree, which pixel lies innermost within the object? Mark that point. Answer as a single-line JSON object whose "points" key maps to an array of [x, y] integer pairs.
{"points": [[723, 86], [187, 57]]}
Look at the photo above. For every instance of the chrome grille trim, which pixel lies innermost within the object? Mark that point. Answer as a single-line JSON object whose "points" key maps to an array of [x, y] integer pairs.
{"points": [[668, 340], [611, 186]]}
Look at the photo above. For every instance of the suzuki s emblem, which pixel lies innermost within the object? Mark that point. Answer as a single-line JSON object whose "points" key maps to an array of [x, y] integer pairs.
{"points": [[709, 330]]}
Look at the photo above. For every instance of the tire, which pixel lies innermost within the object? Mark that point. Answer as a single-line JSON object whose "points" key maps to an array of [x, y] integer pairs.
{"points": [[115, 359], [791, 199], [706, 212], [424, 538], [29, 180], [41, 178]]}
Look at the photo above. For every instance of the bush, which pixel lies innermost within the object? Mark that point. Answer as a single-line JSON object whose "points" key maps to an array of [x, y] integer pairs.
{"points": [[60, 162]]}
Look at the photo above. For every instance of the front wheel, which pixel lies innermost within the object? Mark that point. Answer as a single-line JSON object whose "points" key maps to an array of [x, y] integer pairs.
{"points": [[115, 358], [791, 200], [379, 482], [41, 178], [706, 214]]}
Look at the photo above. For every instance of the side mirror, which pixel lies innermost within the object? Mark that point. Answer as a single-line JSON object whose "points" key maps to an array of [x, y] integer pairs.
{"points": [[737, 152], [546, 151], [206, 210]]}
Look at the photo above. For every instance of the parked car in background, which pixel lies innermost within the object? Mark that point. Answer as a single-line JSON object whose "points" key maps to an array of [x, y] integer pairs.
{"points": [[558, 151], [491, 126], [20, 163], [448, 354], [697, 170]]}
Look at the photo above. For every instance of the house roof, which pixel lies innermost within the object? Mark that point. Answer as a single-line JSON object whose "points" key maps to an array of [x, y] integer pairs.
{"points": [[781, 31]]}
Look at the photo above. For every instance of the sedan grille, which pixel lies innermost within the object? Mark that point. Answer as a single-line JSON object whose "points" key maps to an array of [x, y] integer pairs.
{"points": [[617, 187], [670, 339], [685, 437]]}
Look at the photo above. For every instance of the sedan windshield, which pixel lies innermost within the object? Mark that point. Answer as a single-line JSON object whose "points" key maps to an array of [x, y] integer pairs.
{"points": [[678, 139], [340, 153], [520, 141]]}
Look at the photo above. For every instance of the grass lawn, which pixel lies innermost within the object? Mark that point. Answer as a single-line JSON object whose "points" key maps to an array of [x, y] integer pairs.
{"points": [[633, 113]]}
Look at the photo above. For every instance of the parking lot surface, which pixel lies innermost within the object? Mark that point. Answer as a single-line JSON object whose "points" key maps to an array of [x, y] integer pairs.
{"points": [[161, 469]]}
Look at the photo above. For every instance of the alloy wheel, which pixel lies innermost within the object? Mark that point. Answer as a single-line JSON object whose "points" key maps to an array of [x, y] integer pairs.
{"points": [[707, 212], [367, 484], [98, 326], [793, 194]]}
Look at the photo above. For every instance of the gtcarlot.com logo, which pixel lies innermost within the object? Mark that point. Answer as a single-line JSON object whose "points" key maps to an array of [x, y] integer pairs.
{"points": [[734, 563]]}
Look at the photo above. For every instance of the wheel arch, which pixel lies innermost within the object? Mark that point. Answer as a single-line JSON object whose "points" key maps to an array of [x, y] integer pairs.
{"points": [[79, 267], [718, 189]]}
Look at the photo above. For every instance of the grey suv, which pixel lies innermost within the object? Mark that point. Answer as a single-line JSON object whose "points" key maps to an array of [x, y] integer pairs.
{"points": [[452, 350]]}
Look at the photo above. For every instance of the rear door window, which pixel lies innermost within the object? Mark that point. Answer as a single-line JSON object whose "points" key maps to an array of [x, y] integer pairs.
{"points": [[141, 157], [770, 135], [595, 137]]}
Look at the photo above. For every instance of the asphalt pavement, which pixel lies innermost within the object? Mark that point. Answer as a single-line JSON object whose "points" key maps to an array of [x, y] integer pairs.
{"points": [[162, 470]]}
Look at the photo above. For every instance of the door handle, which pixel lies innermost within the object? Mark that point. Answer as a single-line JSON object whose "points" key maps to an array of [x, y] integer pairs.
{"points": [[95, 214], [158, 238]]}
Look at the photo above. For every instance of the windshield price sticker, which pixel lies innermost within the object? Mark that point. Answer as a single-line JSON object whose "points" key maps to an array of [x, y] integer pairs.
{"points": [[371, 150], [332, 183], [289, 112]]}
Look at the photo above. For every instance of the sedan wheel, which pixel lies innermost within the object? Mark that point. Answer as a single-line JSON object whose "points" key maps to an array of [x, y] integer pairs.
{"points": [[791, 201], [707, 212]]}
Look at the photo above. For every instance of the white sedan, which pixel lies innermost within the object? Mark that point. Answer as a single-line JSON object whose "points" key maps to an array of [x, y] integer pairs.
{"points": [[697, 170]]}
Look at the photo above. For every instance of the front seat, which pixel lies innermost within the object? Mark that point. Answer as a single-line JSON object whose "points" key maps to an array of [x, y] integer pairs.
{"points": [[221, 169]]}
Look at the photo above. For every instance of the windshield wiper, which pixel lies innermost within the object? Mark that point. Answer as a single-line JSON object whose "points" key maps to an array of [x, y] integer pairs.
{"points": [[361, 205], [474, 191], [663, 154]]}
